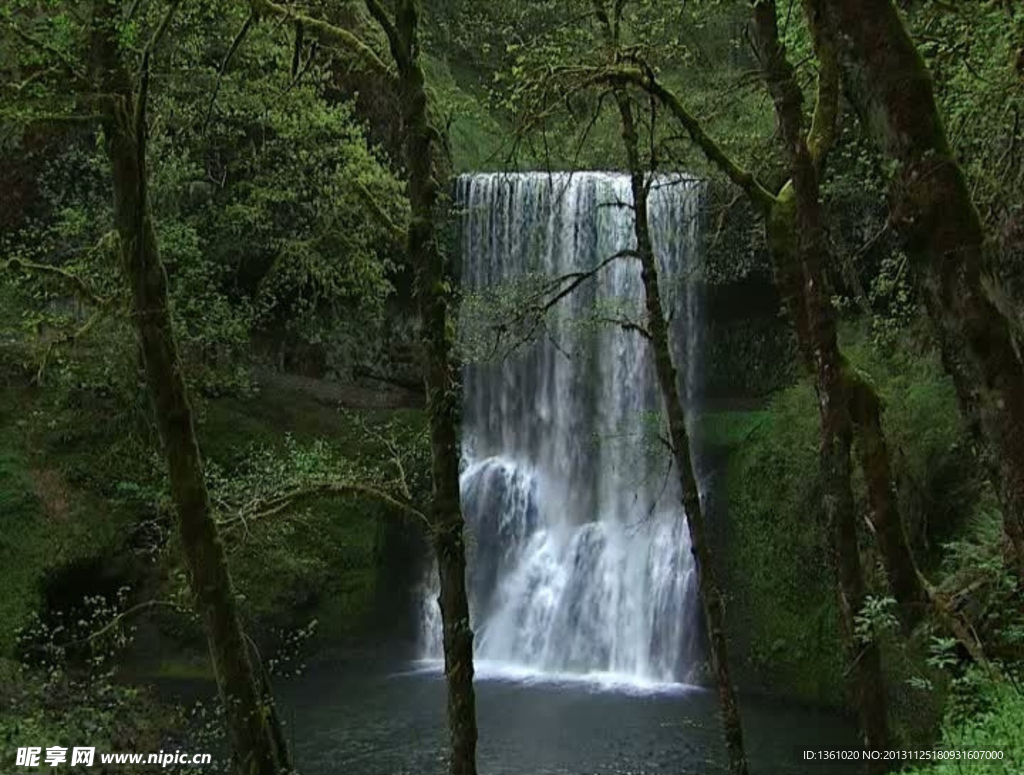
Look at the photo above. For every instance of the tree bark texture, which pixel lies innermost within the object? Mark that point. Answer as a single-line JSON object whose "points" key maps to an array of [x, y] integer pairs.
{"points": [[255, 735], [441, 379], [781, 231], [711, 595], [942, 234], [833, 400]]}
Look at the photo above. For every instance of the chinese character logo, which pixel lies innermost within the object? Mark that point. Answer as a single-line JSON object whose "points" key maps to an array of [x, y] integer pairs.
{"points": [[83, 756], [28, 757]]}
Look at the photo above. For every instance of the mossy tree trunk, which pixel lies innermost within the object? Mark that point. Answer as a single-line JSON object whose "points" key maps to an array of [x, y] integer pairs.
{"points": [[710, 590], [863, 405], [799, 280], [836, 423], [905, 581], [942, 234], [434, 290], [658, 332], [256, 739]]}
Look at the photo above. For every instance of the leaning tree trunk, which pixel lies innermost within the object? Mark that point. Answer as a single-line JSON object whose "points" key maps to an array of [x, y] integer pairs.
{"points": [[711, 595], [256, 739], [441, 378], [942, 234], [830, 371]]}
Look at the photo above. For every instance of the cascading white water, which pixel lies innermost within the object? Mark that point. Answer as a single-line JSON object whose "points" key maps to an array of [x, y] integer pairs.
{"points": [[579, 555]]}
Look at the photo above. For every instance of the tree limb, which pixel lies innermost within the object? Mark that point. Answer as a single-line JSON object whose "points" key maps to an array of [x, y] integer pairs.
{"points": [[822, 134], [645, 80], [327, 34], [73, 336], [124, 614], [80, 286], [285, 501], [67, 64], [396, 233], [249, 20], [394, 41]]}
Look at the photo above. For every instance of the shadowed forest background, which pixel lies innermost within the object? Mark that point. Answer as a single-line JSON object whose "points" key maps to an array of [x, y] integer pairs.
{"points": [[237, 310]]}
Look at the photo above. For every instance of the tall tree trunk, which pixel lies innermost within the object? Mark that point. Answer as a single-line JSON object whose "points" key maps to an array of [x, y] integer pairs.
{"points": [[441, 379], [657, 327], [942, 234], [863, 405], [256, 739], [711, 595], [833, 400]]}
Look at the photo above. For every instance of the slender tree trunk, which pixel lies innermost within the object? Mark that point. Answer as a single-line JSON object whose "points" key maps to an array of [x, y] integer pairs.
{"points": [[833, 398], [442, 383], [901, 571], [711, 595], [255, 736], [710, 591], [433, 287], [943, 236], [863, 405]]}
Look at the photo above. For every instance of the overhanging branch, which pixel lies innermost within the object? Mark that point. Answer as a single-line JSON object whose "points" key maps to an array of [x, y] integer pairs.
{"points": [[743, 178], [269, 507]]}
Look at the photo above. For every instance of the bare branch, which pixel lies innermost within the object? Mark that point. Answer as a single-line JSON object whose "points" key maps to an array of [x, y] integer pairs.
{"points": [[129, 612], [81, 287], [575, 280], [246, 26], [396, 233], [394, 41], [262, 509], [627, 325], [73, 337], [165, 23]]}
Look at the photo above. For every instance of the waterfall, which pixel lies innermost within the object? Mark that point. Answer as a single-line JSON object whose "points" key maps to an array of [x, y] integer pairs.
{"points": [[579, 557]]}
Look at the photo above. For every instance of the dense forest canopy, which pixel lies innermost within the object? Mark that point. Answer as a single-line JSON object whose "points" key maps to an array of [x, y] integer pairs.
{"points": [[236, 309]]}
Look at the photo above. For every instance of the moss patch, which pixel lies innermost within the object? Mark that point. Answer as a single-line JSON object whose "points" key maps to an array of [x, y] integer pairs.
{"points": [[781, 609]]}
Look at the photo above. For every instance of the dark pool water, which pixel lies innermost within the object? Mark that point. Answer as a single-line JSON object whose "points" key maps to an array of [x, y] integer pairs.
{"points": [[378, 715]]}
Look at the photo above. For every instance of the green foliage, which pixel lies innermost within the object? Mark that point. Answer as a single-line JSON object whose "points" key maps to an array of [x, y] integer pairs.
{"points": [[782, 608], [984, 715], [875, 620], [273, 213], [329, 552], [21, 545], [729, 430], [44, 524], [67, 692], [475, 133]]}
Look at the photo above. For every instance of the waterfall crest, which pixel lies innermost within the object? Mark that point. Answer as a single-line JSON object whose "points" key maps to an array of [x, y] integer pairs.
{"points": [[579, 557]]}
